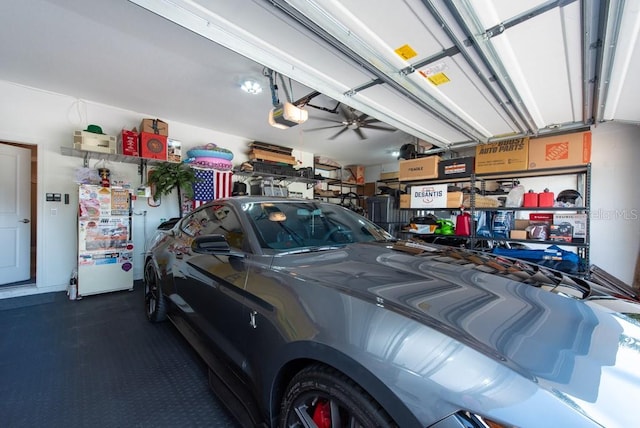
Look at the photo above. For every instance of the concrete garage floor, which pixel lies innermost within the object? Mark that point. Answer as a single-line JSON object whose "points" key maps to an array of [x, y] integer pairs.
{"points": [[97, 362]]}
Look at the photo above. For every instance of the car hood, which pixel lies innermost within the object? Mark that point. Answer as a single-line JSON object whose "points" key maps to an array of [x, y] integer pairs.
{"points": [[579, 350]]}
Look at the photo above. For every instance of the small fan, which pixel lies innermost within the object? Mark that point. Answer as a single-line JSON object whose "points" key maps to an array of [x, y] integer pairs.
{"points": [[351, 120]]}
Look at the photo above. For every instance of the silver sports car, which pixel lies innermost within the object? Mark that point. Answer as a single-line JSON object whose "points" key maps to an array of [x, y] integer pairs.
{"points": [[309, 315]]}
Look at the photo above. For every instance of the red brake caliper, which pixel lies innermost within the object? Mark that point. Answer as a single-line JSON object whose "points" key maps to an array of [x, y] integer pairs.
{"points": [[322, 415]]}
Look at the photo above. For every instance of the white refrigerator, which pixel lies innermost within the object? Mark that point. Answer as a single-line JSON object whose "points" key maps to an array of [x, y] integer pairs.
{"points": [[105, 246]]}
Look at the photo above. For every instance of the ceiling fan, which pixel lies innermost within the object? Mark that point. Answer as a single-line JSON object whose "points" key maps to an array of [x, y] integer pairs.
{"points": [[350, 120]]}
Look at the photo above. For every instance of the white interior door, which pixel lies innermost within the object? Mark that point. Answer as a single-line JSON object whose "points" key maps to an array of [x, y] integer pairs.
{"points": [[15, 214]]}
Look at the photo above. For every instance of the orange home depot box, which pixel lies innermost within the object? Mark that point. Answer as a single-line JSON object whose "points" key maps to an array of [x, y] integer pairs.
{"points": [[508, 155], [153, 146], [560, 150], [419, 169]]}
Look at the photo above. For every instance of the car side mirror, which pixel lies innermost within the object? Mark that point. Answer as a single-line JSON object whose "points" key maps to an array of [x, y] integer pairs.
{"points": [[213, 244]]}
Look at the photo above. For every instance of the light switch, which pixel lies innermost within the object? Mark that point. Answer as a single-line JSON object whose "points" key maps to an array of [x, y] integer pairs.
{"points": [[54, 211]]}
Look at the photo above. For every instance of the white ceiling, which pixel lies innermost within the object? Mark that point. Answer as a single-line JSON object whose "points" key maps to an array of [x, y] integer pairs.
{"points": [[506, 68]]}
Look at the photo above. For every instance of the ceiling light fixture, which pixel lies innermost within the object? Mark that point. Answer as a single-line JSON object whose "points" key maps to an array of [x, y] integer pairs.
{"points": [[251, 87]]}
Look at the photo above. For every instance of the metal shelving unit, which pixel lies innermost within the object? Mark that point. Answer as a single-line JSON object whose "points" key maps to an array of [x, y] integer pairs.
{"points": [[583, 183], [87, 155]]}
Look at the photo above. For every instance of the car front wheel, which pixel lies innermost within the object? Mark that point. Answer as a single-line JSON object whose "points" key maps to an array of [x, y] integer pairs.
{"points": [[322, 397], [153, 299]]}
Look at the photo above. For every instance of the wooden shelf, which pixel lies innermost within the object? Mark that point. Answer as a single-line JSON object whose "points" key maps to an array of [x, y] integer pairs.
{"points": [[326, 167]]}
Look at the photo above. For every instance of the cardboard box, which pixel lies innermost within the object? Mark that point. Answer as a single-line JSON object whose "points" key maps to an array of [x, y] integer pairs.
{"points": [[129, 143], [518, 234], [419, 169], [560, 150], [577, 221], [354, 174], [541, 218], [520, 224], [454, 199], [84, 140], [405, 201], [154, 126], [503, 156], [561, 232], [455, 168], [174, 150], [538, 231], [153, 146], [389, 176]]}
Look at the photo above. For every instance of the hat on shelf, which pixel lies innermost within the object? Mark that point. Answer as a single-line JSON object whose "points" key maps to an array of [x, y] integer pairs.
{"points": [[94, 129]]}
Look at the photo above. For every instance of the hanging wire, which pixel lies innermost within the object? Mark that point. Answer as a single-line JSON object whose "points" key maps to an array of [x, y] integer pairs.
{"points": [[274, 87], [288, 90]]}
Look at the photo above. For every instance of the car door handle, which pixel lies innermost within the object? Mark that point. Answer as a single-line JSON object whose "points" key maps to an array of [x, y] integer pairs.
{"points": [[24, 220], [252, 319]]}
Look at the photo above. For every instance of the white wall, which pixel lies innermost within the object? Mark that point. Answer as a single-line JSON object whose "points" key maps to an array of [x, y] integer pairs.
{"points": [[48, 120], [615, 199]]}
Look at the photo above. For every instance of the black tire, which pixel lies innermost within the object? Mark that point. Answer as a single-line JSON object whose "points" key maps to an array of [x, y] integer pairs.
{"points": [[154, 303], [320, 389]]}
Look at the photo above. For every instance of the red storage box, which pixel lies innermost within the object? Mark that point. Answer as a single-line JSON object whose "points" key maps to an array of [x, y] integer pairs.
{"points": [[129, 143], [546, 198], [541, 218], [530, 199], [153, 146]]}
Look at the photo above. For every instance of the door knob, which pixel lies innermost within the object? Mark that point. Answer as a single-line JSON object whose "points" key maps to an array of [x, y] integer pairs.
{"points": [[25, 220]]}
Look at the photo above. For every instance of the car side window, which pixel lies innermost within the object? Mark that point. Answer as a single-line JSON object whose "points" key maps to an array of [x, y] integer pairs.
{"points": [[191, 225], [216, 220]]}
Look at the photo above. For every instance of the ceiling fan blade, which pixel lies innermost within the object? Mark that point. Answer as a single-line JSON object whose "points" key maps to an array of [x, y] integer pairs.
{"points": [[323, 127], [324, 119], [370, 120], [360, 133], [339, 133], [380, 128]]}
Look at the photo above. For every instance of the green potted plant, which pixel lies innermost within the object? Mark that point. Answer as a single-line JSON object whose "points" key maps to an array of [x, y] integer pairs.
{"points": [[166, 176]]}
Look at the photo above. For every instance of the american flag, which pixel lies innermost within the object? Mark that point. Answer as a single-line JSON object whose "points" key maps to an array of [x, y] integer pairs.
{"points": [[211, 184]]}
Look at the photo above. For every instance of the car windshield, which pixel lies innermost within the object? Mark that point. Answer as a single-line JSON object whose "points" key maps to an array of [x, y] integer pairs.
{"points": [[309, 225]]}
